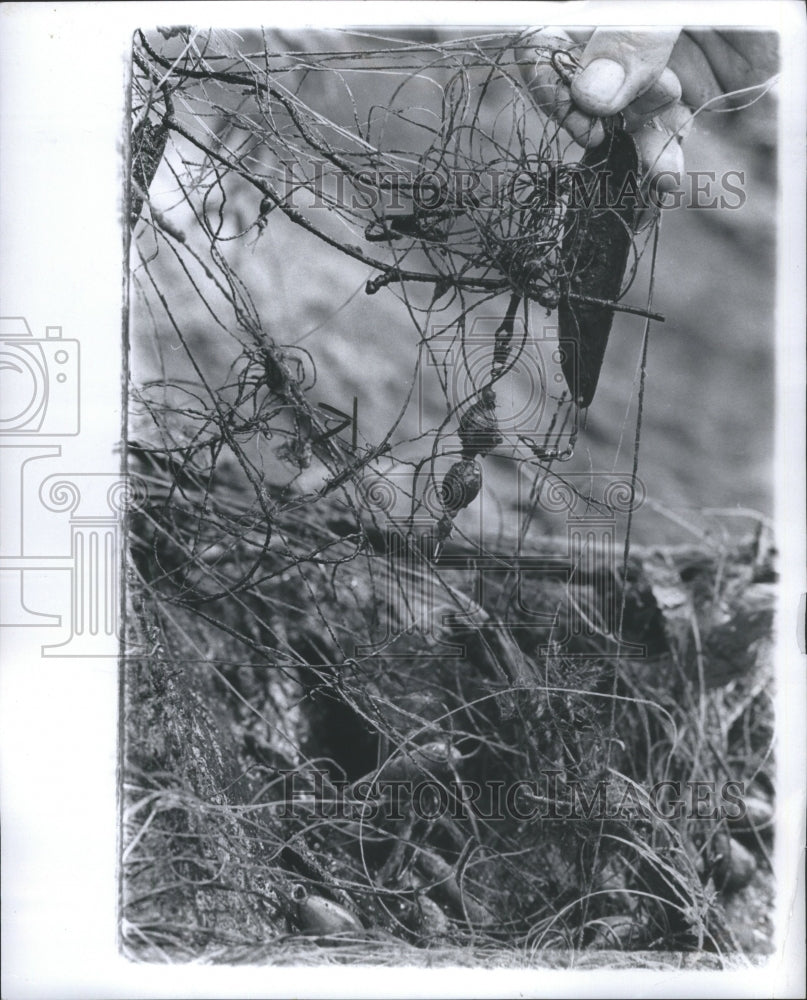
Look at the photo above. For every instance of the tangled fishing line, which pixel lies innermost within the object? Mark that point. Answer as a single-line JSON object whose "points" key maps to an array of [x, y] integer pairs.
{"points": [[312, 586]]}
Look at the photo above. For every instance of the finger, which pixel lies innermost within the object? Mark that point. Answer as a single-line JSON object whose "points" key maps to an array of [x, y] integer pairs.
{"points": [[658, 96], [677, 120], [739, 58], [551, 95], [534, 59], [662, 95], [691, 66], [584, 130], [661, 156], [619, 66]]}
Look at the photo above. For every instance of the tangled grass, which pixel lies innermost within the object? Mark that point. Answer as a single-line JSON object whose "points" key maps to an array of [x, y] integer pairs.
{"points": [[293, 651]]}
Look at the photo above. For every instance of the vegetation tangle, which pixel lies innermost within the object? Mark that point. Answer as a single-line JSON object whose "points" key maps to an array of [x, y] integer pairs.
{"points": [[360, 723]]}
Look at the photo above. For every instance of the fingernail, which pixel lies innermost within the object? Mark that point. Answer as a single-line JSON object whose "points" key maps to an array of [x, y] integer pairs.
{"points": [[598, 85]]}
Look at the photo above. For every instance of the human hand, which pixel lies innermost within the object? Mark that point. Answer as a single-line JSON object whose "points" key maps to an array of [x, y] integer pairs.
{"points": [[651, 76]]}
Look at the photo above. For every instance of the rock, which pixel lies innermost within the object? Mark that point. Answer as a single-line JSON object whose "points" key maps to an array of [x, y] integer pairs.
{"points": [[758, 817], [618, 931], [317, 915], [431, 920], [445, 887], [437, 758], [741, 867]]}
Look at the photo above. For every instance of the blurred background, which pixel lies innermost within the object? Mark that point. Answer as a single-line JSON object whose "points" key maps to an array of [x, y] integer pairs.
{"points": [[705, 456], [269, 634]]}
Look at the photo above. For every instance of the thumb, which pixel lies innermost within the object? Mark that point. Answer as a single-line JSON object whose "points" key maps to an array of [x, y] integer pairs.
{"points": [[619, 65]]}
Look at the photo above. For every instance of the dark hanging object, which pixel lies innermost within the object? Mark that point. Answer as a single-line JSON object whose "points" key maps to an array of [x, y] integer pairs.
{"points": [[421, 226], [596, 247], [148, 146], [460, 486], [478, 428], [549, 298], [503, 338], [317, 915]]}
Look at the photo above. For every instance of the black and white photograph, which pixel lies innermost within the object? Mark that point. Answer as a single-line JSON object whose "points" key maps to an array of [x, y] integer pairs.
{"points": [[441, 565]]}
